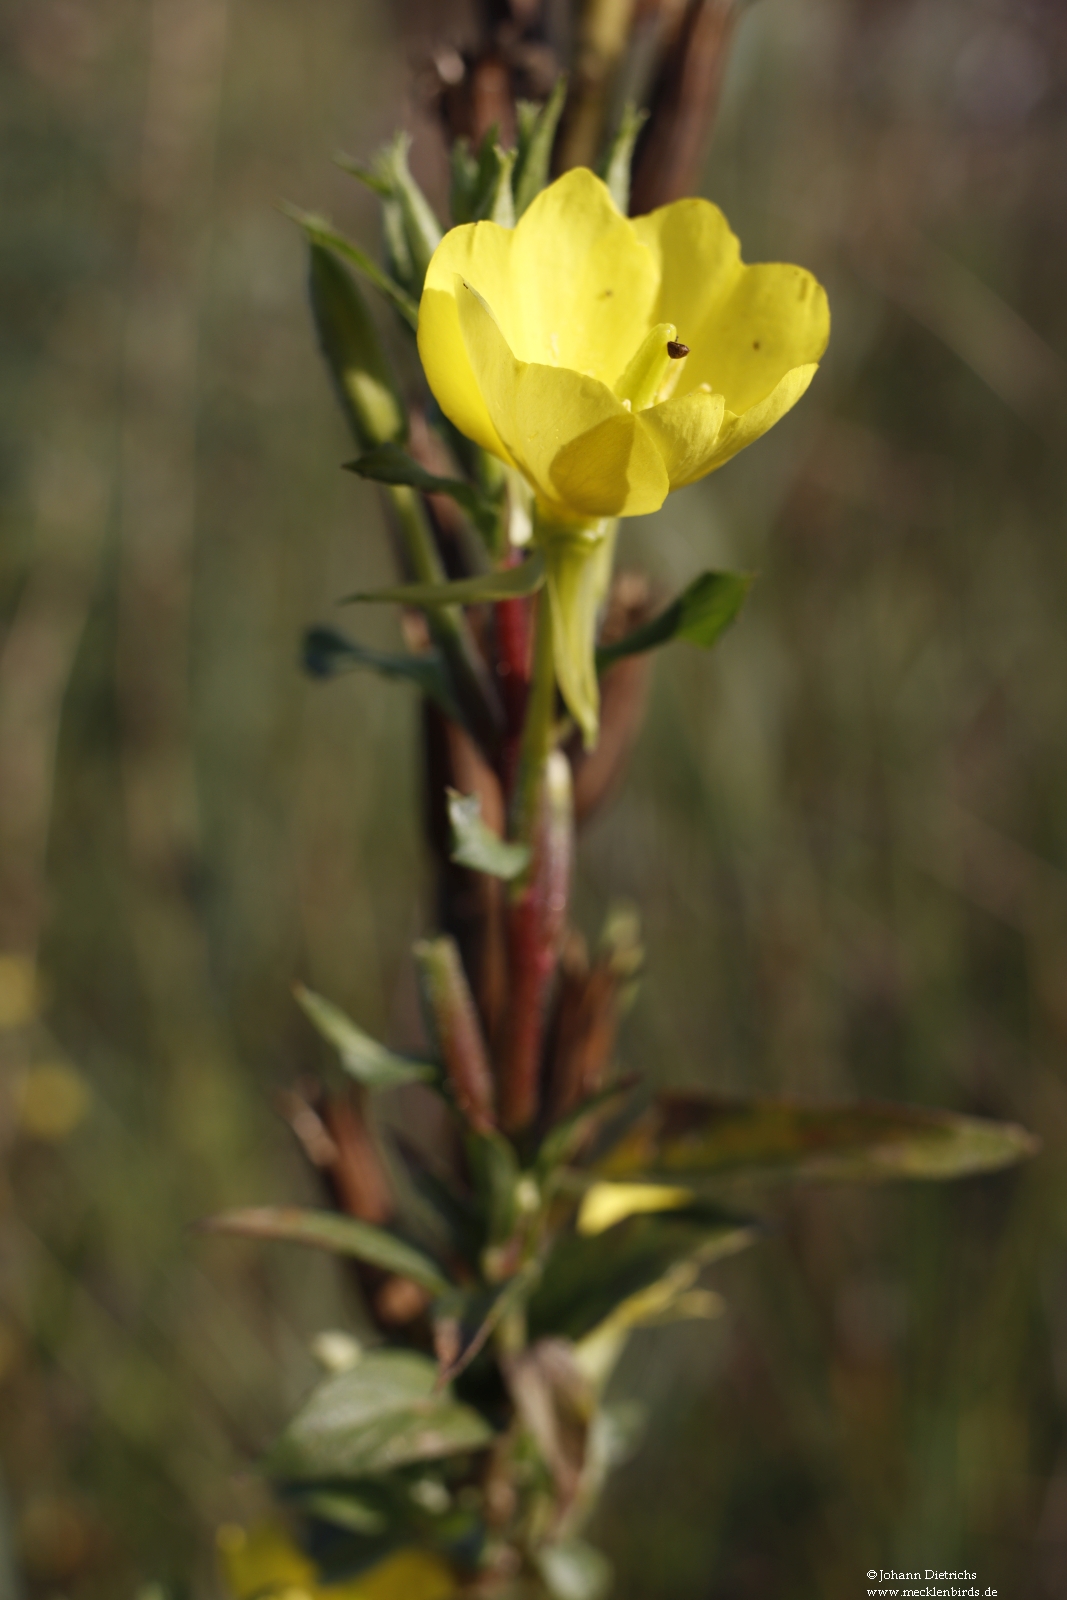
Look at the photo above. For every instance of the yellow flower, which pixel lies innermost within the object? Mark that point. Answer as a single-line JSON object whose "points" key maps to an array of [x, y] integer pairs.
{"points": [[612, 360], [265, 1564]]}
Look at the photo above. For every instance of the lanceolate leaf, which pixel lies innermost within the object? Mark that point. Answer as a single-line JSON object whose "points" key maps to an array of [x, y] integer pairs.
{"points": [[618, 158], [586, 1278], [327, 653], [700, 614], [476, 846], [326, 1230], [537, 133], [322, 232], [687, 1137], [510, 583], [391, 464], [362, 1057], [385, 1413]]}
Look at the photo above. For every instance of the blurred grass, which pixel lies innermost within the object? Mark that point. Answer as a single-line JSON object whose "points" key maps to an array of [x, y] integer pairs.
{"points": [[845, 830]]}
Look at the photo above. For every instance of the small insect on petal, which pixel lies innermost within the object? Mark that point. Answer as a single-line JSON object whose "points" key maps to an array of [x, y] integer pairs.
{"points": [[676, 349]]}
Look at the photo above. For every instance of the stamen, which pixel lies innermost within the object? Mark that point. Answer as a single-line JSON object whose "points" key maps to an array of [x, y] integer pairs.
{"points": [[676, 349]]}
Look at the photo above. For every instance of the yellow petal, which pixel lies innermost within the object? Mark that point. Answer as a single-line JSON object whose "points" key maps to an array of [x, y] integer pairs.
{"points": [[738, 431], [697, 261], [775, 319], [263, 1563], [686, 431], [605, 1204], [584, 282], [746, 326], [582, 450], [448, 369]]}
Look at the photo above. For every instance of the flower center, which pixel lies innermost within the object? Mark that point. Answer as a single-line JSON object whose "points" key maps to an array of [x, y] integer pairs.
{"points": [[654, 369]]}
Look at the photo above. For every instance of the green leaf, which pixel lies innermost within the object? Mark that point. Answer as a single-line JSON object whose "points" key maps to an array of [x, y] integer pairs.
{"points": [[390, 464], [509, 583], [586, 1278], [689, 1136], [560, 1140], [385, 1413], [495, 1172], [464, 190], [700, 614], [537, 134], [326, 1230], [362, 1057], [617, 164], [476, 846], [321, 232], [328, 652], [574, 1570]]}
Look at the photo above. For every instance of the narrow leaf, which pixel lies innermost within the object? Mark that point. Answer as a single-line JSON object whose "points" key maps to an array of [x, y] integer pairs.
{"points": [[362, 1057], [700, 614], [327, 653], [385, 1413], [390, 464], [585, 1279], [476, 846], [326, 1230], [537, 134], [513, 1294], [618, 158], [686, 1137], [510, 583], [321, 232]]}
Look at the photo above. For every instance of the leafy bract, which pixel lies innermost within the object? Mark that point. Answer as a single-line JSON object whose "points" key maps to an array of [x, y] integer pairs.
{"points": [[509, 583], [586, 1278], [390, 464], [385, 1413], [690, 1136], [328, 652], [327, 1230], [476, 846], [700, 614], [362, 1057], [321, 232]]}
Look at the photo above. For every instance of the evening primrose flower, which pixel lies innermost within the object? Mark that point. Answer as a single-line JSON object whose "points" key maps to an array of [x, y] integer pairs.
{"points": [[610, 360]]}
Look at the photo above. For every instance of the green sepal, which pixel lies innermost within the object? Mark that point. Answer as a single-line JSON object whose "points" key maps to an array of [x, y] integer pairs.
{"points": [[386, 1412], [688, 1137], [509, 583], [616, 166], [363, 1058], [390, 464], [327, 1230], [321, 232], [476, 846], [412, 231], [327, 653], [700, 614], [537, 133]]}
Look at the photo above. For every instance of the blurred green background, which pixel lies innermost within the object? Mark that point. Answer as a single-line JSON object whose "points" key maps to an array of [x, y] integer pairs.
{"points": [[846, 830]]}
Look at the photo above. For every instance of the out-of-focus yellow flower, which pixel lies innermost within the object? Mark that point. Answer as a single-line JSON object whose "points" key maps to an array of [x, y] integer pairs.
{"points": [[610, 360], [534, 343], [263, 1563]]}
